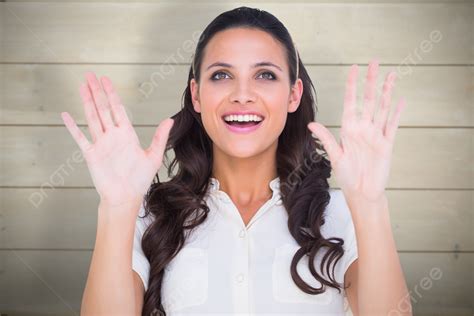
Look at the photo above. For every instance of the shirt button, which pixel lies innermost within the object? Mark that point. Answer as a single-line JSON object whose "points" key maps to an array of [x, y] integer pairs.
{"points": [[240, 278], [242, 233]]}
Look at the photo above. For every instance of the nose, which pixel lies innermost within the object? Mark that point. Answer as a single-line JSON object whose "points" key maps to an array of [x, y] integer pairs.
{"points": [[242, 93]]}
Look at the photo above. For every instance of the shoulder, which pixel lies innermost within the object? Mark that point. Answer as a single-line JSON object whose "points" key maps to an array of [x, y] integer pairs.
{"points": [[339, 224], [140, 263], [338, 210], [337, 217]]}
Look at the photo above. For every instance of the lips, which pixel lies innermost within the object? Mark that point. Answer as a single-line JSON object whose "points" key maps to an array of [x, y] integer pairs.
{"points": [[236, 126], [241, 129]]}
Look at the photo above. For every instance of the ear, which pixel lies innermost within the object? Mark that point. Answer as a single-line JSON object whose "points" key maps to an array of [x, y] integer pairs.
{"points": [[295, 96], [195, 95]]}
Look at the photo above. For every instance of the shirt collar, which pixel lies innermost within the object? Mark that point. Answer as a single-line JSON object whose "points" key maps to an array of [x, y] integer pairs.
{"points": [[274, 185]]}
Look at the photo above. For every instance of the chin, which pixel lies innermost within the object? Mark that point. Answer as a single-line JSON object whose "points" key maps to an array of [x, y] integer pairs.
{"points": [[242, 150]]}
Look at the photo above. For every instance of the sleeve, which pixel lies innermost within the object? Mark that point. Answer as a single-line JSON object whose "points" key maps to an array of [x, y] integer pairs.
{"points": [[350, 246], [350, 255], [343, 227], [140, 263]]}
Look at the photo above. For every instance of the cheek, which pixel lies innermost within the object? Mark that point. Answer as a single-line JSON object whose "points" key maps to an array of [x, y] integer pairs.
{"points": [[278, 121], [209, 120], [210, 100], [278, 114], [274, 95], [209, 117], [277, 108]]}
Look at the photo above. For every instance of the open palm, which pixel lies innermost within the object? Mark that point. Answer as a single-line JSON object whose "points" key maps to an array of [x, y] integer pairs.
{"points": [[120, 169], [361, 161]]}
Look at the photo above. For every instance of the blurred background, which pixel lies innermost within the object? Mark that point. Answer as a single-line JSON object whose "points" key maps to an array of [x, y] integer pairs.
{"points": [[48, 208]]}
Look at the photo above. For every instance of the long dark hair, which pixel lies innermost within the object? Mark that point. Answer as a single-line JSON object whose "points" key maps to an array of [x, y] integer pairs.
{"points": [[178, 205]]}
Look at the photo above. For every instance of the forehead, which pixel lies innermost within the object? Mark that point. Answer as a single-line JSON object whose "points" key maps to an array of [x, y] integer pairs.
{"points": [[244, 46]]}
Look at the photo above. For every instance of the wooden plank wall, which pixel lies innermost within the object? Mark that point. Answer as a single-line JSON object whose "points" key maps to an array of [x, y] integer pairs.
{"points": [[48, 204]]}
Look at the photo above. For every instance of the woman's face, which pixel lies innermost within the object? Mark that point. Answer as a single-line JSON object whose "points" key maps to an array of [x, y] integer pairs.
{"points": [[241, 86]]}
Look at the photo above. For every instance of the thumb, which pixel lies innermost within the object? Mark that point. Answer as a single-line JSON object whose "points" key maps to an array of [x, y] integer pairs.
{"points": [[158, 144], [327, 139]]}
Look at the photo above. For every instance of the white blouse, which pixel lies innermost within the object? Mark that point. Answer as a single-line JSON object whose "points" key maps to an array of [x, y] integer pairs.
{"points": [[227, 268]]}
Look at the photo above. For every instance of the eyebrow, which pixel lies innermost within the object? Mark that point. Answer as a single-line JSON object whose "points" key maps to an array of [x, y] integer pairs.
{"points": [[262, 63]]}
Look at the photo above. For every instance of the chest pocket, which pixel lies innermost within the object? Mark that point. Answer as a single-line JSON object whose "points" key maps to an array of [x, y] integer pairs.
{"points": [[185, 282], [285, 289]]}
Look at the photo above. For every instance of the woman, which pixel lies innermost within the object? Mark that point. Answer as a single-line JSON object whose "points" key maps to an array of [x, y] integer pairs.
{"points": [[247, 222]]}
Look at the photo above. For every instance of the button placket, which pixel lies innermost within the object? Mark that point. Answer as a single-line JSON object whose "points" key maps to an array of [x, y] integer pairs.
{"points": [[240, 272], [240, 277]]}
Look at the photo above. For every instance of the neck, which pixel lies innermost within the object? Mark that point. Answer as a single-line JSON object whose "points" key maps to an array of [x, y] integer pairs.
{"points": [[245, 180]]}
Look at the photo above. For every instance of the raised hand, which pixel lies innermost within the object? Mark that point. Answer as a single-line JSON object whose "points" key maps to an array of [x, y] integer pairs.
{"points": [[120, 169], [361, 161]]}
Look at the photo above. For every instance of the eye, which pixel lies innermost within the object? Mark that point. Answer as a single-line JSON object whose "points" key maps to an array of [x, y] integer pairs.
{"points": [[213, 77], [269, 73]]}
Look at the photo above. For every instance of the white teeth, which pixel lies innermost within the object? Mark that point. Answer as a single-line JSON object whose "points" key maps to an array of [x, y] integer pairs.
{"points": [[243, 118]]}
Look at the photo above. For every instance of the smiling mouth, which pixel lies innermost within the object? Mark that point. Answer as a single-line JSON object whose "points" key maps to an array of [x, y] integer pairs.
{"points": [[242, 124], [247, 120]]}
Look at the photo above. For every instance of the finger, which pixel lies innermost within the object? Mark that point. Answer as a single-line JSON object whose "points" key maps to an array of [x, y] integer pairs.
{"points": [[160, 140], [370, 91], [349, 112], [118, 110], [327, 139], [381, 117], [395, 121], [100, 100], [92, 117], [75, 132]]}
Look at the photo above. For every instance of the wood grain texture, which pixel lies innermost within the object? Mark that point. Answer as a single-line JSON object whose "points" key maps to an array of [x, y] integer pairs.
{"points": [[51, 282], [48, 210], [250, 1], [37, 93], [422, 220], [428, 158], [165, 32]]}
